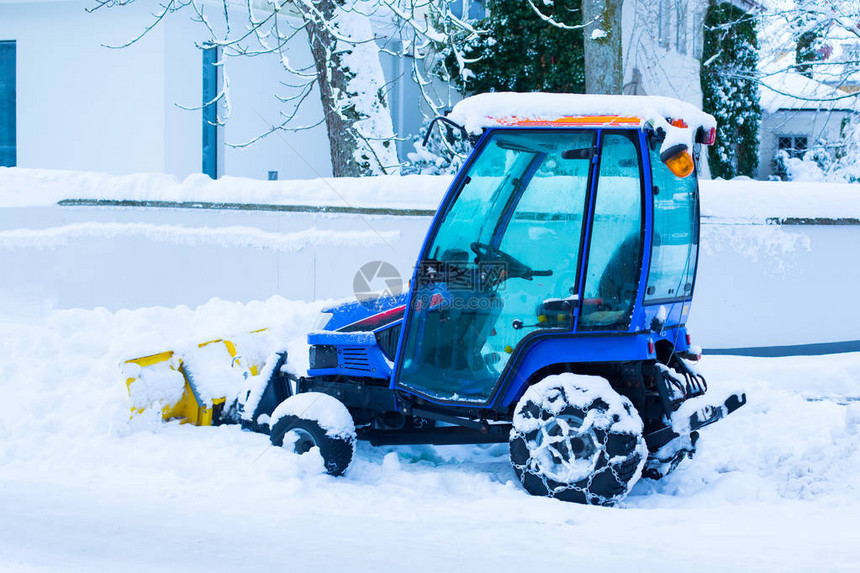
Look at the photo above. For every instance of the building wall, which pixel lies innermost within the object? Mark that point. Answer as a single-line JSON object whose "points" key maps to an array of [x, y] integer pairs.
{"points": [[815, 125], [70, 89], [87, 107]]}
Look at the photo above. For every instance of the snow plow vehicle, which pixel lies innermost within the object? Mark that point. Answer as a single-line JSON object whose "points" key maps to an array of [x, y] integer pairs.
{"points": [[547, 309]]}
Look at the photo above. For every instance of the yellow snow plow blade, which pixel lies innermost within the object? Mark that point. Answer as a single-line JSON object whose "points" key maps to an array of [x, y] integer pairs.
{"points": [[188, 387]]}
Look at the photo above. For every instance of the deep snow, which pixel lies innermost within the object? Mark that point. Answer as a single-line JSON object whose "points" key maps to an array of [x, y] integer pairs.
{"points": [[774, 487]]}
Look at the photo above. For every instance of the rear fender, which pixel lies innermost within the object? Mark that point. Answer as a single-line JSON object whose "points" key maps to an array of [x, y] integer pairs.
{"points": [[550, 351]]}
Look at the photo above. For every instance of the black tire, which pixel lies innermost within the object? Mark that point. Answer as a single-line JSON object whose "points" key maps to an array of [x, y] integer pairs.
{"points": [[336, 452], [576, 439]]}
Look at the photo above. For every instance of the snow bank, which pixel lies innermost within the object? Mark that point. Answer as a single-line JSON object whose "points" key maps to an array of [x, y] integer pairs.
{"points": [[750, 271], [20, 187], [744, 199], [736, 199]]}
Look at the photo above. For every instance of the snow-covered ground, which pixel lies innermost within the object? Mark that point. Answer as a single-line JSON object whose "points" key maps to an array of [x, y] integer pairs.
{"points": [[775, 487]]}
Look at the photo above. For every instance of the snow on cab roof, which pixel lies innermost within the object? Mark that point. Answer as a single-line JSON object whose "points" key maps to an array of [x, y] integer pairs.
{"points": [[545, 109]]}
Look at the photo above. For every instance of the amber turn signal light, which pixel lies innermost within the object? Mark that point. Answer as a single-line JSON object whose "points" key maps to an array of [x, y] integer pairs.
{"points": [[678, 159]]}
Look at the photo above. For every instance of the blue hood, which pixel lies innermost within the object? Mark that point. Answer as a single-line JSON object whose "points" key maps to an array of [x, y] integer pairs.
{"points": [[367, 315]]}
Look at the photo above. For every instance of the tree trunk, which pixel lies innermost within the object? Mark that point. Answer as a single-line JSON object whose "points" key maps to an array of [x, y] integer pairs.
{"points": [[603, 59], [352, 90]]}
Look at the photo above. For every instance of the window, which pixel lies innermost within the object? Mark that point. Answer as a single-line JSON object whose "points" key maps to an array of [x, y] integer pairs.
{"points": [[675, 240], [8, 142], [664, 16], [468, 9], [211, 70], [794, 145], [681, 28], [698, 35]]}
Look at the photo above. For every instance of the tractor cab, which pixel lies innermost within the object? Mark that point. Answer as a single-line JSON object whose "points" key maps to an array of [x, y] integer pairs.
{"points": [[558, 227], [547, 309]]}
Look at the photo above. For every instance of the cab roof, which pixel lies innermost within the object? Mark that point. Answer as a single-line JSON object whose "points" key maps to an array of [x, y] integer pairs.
{"points": [[508, 109]]}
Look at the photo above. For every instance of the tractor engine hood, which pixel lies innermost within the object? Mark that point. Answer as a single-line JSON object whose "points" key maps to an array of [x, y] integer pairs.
{"points": [[363, 316]]}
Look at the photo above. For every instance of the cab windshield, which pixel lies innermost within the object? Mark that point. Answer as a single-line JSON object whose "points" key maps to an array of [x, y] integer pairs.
{"points": [[501, 264]]}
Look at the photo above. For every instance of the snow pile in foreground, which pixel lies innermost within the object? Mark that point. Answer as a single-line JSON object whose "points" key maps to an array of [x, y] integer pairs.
{"points": [[776, 481]]}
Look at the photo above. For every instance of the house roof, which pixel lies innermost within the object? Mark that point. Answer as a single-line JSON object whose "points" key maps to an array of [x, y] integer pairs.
{"points": [[788, 90]]}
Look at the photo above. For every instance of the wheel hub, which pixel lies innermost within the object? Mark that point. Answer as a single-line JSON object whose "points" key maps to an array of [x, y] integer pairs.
{"points": [[304, 441], [564, 450]]}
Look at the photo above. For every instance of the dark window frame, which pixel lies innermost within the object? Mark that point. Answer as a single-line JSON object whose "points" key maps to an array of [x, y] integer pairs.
{"points": [[8, 104], [211, 87], [794, 145]]}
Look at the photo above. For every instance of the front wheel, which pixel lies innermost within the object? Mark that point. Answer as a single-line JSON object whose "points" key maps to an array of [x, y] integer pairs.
{"points": [[314, 420], [575, 439]]}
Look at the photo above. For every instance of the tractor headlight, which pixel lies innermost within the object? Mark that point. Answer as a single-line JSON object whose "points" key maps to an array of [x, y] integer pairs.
{"points": [[323, 320], [323, 356]]}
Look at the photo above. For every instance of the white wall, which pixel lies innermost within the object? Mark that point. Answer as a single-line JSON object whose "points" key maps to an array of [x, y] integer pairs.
{"points": [[758, 285], [74, 97]]}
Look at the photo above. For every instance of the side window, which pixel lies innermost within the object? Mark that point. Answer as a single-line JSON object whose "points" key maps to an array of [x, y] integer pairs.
{"points": [[468, 10], [675, 241], [615, 250]]}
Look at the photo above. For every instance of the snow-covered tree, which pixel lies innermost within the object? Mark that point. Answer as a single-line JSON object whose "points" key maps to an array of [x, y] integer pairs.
{"points": [[730, 88], [821, 41], [523, 46], [346, 70], [545, 45]]}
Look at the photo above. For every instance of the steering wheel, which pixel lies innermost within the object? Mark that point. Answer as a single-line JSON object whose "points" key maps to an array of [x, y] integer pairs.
{"points": [[513, 267]]}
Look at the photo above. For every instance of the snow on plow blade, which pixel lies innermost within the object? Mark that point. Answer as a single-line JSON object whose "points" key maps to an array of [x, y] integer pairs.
{"points": [[198, 385], [699, 412]]}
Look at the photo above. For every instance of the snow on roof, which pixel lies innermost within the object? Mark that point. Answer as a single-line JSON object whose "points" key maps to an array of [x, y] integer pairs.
{"points": [[790, 90], [507, 108]]}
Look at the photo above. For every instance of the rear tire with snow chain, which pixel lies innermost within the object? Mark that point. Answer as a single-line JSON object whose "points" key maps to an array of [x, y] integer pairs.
{"points": [[316, 420], [575, 439]]}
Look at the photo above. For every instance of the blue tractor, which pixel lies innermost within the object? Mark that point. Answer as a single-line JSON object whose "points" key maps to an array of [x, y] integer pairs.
{"points": [[547, 307]]}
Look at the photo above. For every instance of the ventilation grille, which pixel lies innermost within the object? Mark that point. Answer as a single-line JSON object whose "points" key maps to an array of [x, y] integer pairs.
{"points": [[355, 358]]}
